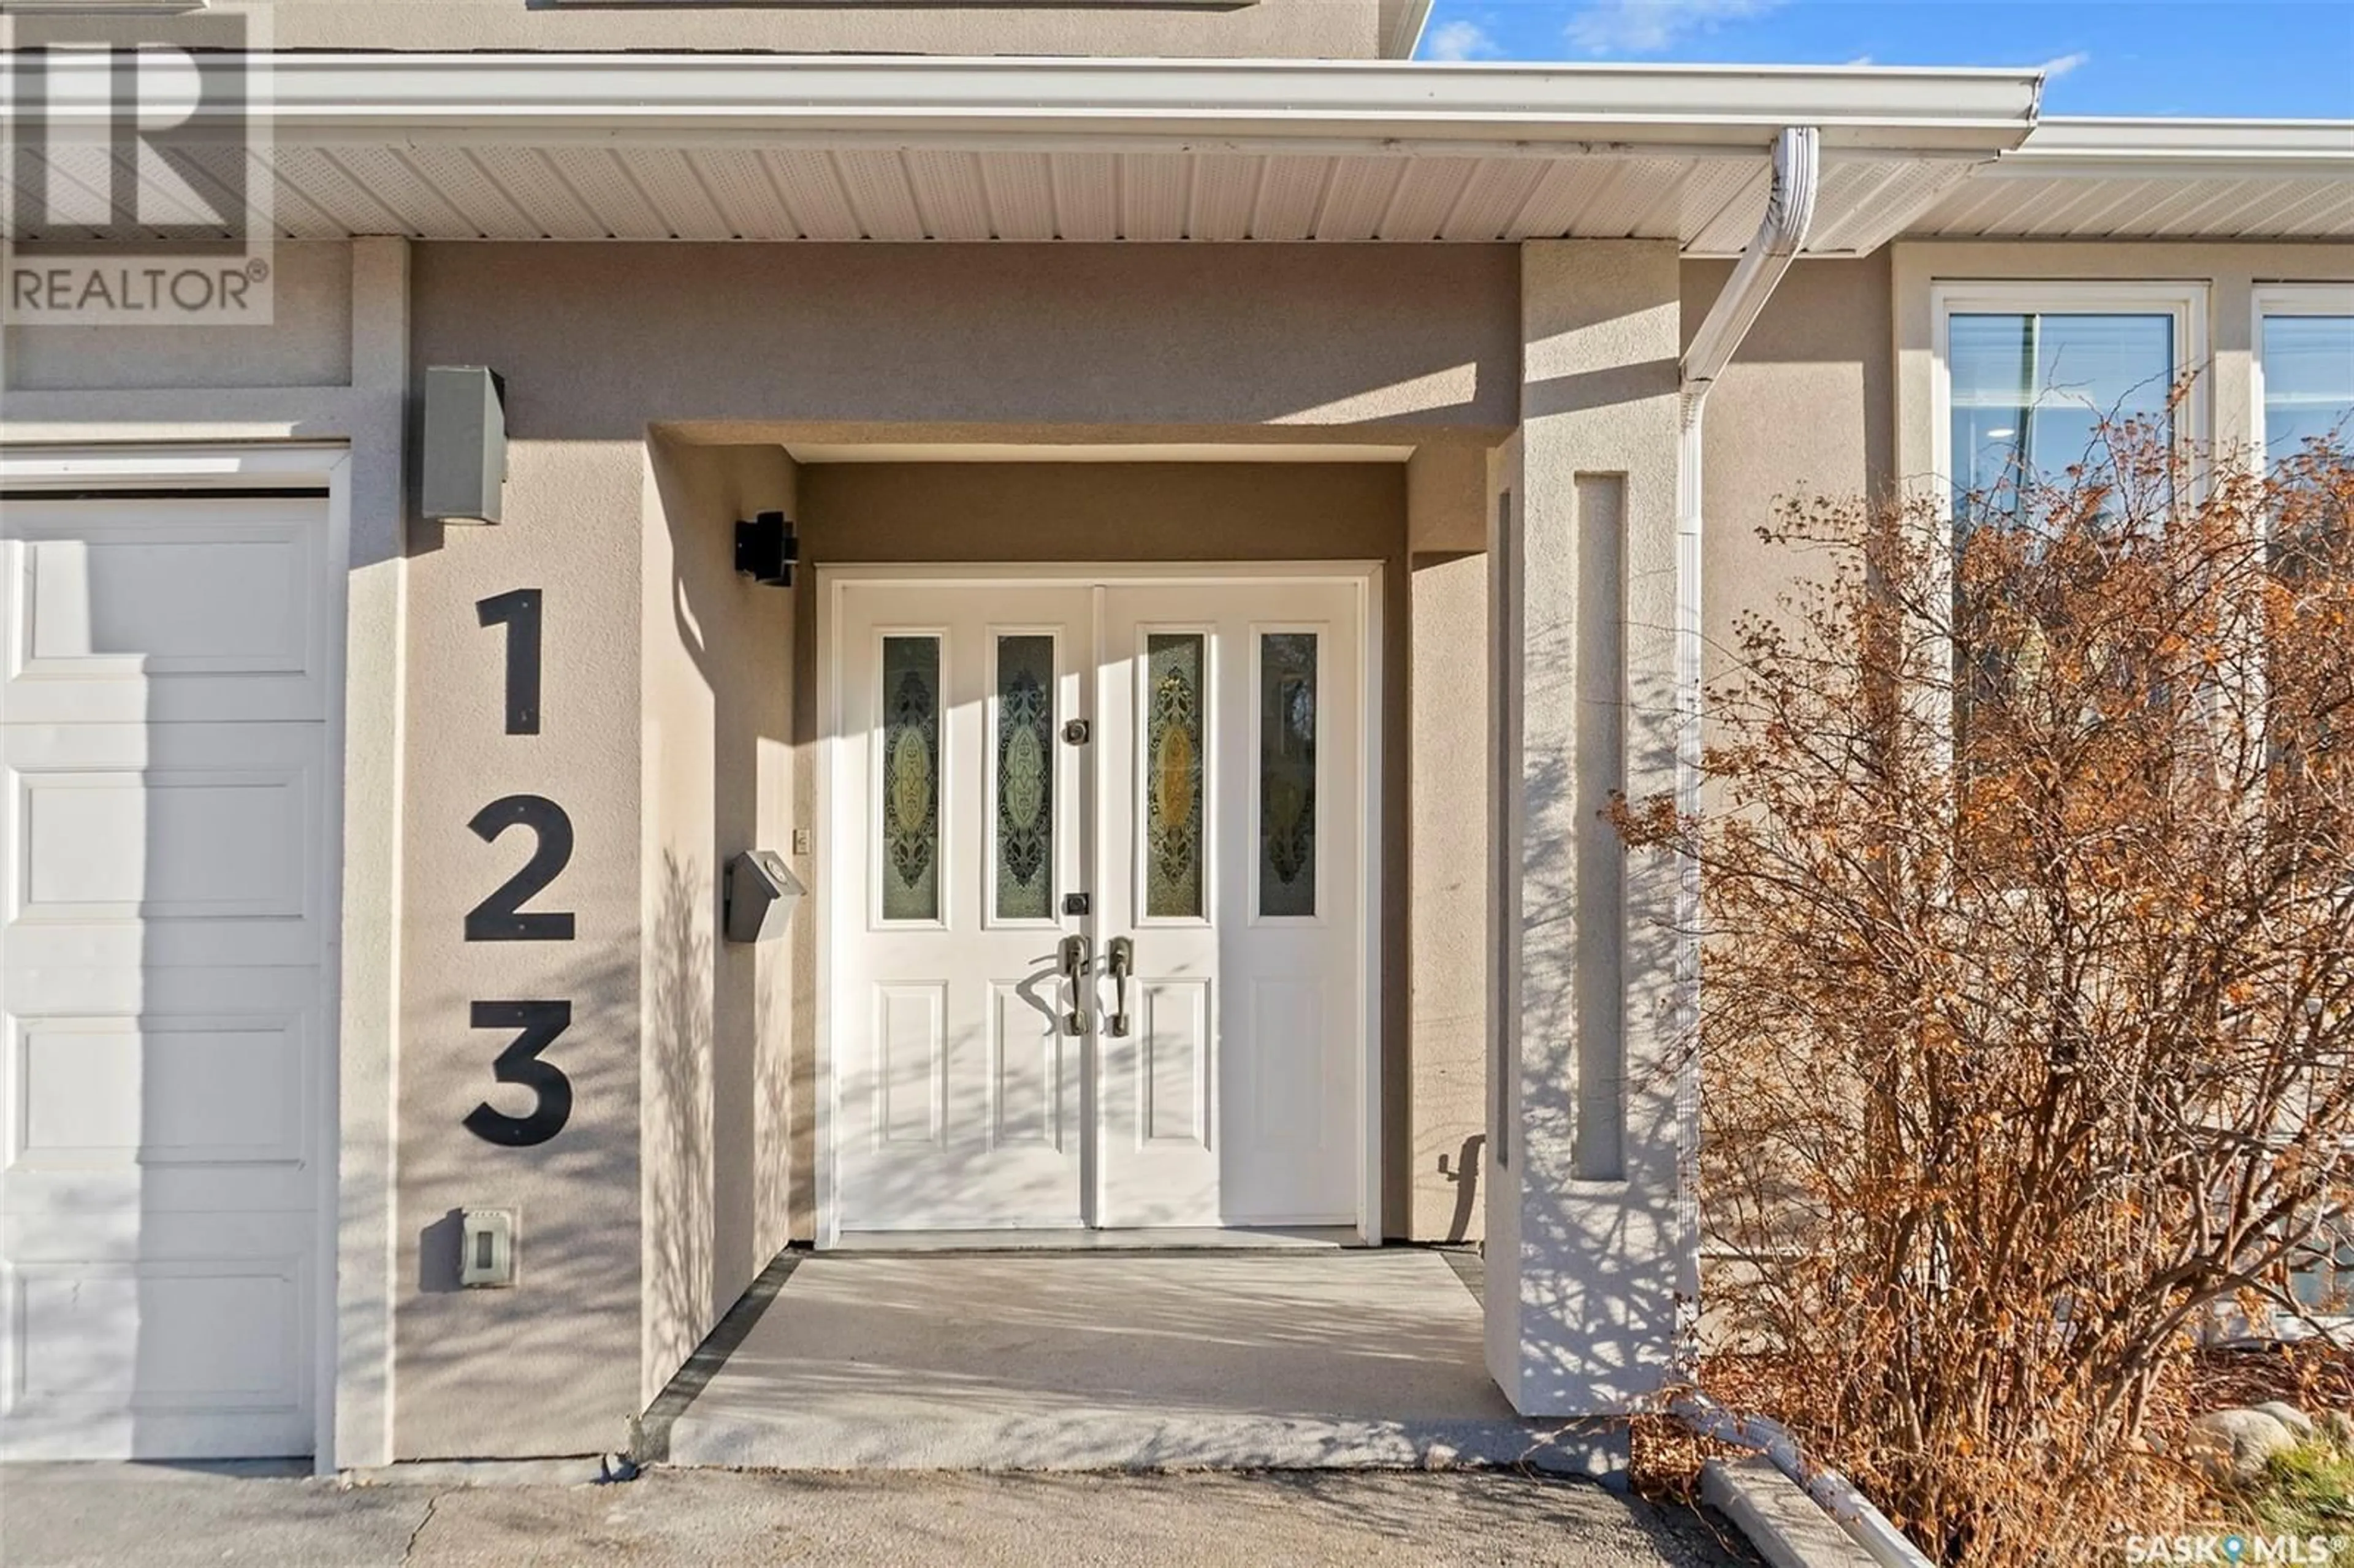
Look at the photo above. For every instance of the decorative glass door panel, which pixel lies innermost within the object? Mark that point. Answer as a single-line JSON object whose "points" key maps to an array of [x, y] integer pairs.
{"points": [[957, 1079], [1105, 960]]}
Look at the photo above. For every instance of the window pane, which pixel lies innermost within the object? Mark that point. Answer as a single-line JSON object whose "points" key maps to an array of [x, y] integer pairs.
{"points": [[1172, 774], [909, 813], [2308, 382], [1287, 773], [1026, 778], [2029, 392]]}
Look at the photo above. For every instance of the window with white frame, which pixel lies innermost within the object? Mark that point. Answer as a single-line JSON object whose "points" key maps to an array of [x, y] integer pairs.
{"points": [[2303, 367], [2028, 372]]}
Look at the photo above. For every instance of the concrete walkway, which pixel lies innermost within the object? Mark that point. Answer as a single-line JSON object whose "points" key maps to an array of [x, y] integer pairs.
{"points": [[153, 1517], [1256, 1360]]}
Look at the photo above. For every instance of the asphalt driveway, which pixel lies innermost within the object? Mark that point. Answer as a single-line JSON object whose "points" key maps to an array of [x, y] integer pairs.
{"points": [[158, 1517]]}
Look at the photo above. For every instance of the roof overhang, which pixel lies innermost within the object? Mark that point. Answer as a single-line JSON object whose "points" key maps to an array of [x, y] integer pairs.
{"points": [[2159, 179], [639, 146]]}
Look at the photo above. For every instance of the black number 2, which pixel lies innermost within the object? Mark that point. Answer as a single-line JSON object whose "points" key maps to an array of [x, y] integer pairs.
{"points": [[538, 1024], [500, 917], [519, 612]]}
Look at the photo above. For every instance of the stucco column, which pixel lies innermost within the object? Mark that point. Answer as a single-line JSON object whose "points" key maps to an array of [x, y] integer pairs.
{"points": [[1586, 1255]]}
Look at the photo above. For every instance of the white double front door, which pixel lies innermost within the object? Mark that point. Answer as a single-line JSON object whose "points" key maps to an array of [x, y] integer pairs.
{"points": [[1100, 906]]}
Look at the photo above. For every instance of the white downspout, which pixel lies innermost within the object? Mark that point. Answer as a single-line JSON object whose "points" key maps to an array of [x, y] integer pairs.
{"points": [[1789, 211]]}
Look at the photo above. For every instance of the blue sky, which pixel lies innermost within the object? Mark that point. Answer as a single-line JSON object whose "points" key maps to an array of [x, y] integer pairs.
{"points": [[2272, 59]]}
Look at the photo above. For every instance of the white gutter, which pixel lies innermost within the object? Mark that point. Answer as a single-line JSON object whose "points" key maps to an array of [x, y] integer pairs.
{"points": [[329, 98], [2181, 149], [1832, 1492], [2280, 145]]}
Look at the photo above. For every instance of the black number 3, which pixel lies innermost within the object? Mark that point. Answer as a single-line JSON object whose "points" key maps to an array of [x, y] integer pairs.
{"points": [[499, 918], [538, 1023]]}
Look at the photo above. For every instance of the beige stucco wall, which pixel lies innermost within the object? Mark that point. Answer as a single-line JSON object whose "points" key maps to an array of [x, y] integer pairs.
{"points": [[651, 389], [550, 1366], [1586, 1223], [1806, 407], [716, 689], [973, 341], [1331, 29]]}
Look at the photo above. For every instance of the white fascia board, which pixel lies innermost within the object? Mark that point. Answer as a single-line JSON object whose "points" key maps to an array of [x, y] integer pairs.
{"points": [[2189, 148], [325, 98]]}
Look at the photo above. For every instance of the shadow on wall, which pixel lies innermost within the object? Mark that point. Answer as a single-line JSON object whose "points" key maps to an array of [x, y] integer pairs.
{"points": [[590, 1053], [681, 1229], [718, 704], [1613, 1304]]}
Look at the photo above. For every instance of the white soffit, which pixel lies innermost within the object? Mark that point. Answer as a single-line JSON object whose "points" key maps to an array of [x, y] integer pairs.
{"points": [[753, 147], [2159, 179], [721, 147], [1008, 451]]}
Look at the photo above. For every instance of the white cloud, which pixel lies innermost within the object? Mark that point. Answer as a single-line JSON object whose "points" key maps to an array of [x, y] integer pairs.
{"points": [[1460, 41], [1861, 60], [1647, 27], [2064, 64]]}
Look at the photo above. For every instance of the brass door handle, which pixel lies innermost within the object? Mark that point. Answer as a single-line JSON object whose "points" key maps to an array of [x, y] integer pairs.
{"points": [[1119, 958], [1075, 975]]}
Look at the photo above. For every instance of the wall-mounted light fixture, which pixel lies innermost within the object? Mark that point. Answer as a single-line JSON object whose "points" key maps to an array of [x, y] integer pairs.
{"points": [[464, 462], [756, 894], [766, 549]]}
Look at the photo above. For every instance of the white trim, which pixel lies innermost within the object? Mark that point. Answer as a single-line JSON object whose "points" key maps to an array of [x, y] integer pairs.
{"points": [[2143, 147], [91, 466], [2282, 300], [834, 581], [2185, 301], [327, 467], [330, 98]]}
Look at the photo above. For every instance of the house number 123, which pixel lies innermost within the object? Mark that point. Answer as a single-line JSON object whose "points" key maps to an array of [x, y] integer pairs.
{"points": [[502, 918]]}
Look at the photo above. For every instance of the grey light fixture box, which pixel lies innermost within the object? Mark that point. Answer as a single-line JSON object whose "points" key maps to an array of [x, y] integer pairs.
{"points": [[465, 444], [759, 896]]}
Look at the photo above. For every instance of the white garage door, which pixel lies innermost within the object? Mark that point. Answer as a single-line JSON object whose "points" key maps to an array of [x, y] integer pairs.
{"points": [[170, 806]]}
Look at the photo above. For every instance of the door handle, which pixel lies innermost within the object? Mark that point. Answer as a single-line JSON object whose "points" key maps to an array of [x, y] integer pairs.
{"points": [[1075, 975], [1119, 958]]}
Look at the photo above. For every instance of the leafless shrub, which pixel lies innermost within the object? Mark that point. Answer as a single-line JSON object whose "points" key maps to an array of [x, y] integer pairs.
{"points": [[2028, 1024]]}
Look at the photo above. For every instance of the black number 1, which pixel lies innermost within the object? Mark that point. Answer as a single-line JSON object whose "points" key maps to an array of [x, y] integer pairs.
{"points": [[519, 612], [538, 1024]]}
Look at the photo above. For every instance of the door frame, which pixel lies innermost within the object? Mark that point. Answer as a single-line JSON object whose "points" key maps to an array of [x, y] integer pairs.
{"points": [[103, 470], [832, 826]]}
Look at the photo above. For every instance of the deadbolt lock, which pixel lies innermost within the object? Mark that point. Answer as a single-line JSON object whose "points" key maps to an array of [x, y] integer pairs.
{"points": [[1074, 733]]}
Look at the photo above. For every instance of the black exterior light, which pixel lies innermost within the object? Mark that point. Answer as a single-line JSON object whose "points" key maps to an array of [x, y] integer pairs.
{"points": [[766, 549]]}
